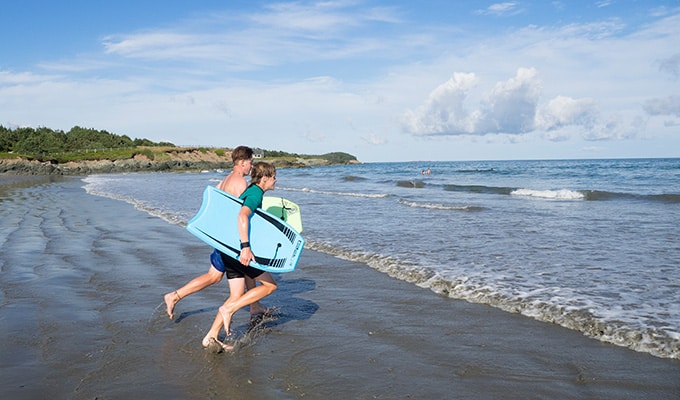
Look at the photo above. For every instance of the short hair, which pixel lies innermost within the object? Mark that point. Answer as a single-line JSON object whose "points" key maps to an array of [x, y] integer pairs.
{"points": [[260, 170], [241, 153]]}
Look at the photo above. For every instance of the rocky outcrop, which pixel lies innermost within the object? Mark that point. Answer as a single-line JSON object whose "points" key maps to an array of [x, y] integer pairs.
{"points": [[179, 162], [34, 167]]}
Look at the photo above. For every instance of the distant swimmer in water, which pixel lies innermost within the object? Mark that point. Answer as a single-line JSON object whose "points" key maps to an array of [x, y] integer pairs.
{"points": [[425, 172]]}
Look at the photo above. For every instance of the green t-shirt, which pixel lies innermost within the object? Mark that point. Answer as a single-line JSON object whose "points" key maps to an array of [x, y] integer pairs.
{"points": [[252, 197]]}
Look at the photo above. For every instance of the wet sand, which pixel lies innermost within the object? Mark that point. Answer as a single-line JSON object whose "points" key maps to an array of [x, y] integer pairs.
{"points": [[82, 317]]}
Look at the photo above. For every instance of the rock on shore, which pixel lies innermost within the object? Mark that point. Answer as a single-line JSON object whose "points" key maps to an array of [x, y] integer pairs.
{"points": [[190, 161], [34, 167]]}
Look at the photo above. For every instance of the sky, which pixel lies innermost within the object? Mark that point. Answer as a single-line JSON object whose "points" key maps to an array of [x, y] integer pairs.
{"points": [[384, 81]]}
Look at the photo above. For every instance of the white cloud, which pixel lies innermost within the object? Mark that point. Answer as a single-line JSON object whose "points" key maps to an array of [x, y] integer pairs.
{"points": [[513, 108], [501, 9], [663, 106], [564, 111], [616, 127], [280, 33], [150, 45], [374, 139], [9, 79], [445, 112], [320, 17], [671, 66], [316, 17]]}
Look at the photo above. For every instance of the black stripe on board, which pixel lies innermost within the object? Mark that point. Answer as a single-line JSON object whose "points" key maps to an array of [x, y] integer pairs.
{"points": [[269, 262]]}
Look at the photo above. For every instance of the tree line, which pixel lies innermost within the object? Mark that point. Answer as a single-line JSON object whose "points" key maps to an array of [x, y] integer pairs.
{"points": [[45, 141], [333, 158], [48, 144]]}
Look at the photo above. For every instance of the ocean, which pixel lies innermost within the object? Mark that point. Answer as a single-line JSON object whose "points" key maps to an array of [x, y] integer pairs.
{"points": [[591, 245]]}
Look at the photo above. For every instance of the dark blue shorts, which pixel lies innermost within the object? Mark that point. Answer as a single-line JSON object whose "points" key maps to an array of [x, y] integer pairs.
{"points": [[232, 267]]}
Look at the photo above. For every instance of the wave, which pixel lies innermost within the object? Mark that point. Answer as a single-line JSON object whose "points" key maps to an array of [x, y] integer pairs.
{"points": [[352, 178], [563, 194], [476, 171], [435, 206], [598, 195], [478, 189], [333, 193], [653, 340], [558, 308], [650, 339], [169, 217], [418, 184]]}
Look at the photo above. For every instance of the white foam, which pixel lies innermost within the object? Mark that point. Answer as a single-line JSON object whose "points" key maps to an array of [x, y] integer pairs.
{"points": [[94, 187], [553, 304], [563, 194], [552, 276], [436, 206], [333, 193]]}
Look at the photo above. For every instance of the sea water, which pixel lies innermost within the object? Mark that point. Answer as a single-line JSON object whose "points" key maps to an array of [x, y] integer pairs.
{"points": [[592, 245]]}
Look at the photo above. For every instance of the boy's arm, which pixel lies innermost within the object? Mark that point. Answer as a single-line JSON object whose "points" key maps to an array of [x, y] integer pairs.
{"points": [[243, 230]]}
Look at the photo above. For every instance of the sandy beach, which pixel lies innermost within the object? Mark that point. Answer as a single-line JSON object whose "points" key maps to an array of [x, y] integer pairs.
{"points": [[82, 317]]}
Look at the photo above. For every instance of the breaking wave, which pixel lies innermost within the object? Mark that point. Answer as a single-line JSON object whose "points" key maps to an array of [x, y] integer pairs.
{"points": [[334, 193], [436, 206], [654, 340], [563, 194]]}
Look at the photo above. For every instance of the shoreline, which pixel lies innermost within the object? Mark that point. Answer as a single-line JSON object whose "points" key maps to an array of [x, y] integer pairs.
{"points": [[83, 317], [176, 162]]}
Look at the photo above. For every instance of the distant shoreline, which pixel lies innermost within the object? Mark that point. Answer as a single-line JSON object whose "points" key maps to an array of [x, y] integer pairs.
{"points": [[189, 161]]}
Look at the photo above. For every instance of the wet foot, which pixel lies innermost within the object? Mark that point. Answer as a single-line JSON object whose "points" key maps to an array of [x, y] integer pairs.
{"points": [[215, 346], [261, 311], [226, 318], [255, 320], [170, 300], [257, 308], [259, 318]]}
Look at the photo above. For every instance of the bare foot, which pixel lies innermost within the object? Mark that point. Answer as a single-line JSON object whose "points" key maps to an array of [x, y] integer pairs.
{"points": [[257, 308], [263, 312], [256, 320], [226, 318], [215, 346], [170, 300]]}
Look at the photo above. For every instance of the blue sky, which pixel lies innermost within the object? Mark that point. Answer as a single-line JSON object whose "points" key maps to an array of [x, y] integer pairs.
{"points": [[383, 80]]}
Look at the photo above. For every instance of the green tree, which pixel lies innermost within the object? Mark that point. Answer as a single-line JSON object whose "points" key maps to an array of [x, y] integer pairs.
{"points": [[8, 138], [80, 139], [41, 141], [338, 157], [143, 142], [45, 141]]}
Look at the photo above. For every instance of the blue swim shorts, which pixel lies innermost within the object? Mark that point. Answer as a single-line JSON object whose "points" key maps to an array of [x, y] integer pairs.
{"points": [[232, 267]]}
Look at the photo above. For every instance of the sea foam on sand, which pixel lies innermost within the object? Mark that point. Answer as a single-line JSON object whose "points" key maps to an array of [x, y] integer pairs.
{"points": [[82, 279]]}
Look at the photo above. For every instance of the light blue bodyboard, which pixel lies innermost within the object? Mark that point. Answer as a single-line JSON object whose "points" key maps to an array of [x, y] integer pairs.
{"points": [[276, 245]]}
